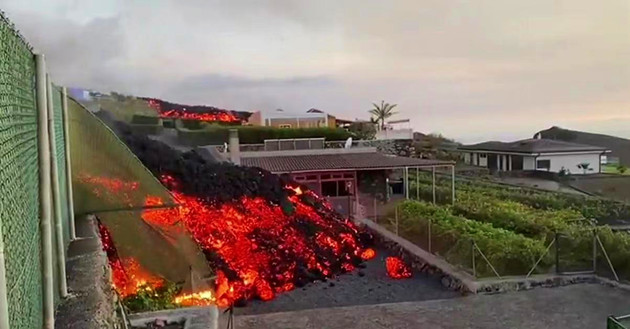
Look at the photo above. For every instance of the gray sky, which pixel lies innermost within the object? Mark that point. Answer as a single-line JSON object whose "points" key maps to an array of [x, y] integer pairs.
{"points": [[470, 69]]}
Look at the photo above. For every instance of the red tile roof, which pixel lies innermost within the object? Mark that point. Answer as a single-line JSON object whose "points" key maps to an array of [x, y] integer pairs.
{"points": [[332, 162]]}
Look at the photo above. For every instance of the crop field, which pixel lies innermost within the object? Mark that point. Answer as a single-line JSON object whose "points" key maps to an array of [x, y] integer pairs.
{"points": [[507, 230]]}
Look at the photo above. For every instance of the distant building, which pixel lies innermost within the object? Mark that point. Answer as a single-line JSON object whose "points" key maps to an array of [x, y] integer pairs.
{"points": [[535, 155], [281, 119], [397, 130]]}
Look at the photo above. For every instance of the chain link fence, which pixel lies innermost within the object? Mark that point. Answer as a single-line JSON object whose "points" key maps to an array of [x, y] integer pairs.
{"points": [[106, 178], [19, 183]]}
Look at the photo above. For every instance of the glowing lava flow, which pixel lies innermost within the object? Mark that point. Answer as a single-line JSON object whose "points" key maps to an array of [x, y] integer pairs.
{"points": [[218, 115], [257, 249], [127, 275], [396, 268]]}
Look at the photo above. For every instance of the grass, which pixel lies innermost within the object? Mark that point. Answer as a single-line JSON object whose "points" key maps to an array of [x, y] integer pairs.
{"points": [[612, 169]]}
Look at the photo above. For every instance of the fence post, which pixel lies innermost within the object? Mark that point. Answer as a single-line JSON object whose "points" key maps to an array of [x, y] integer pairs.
{"points": [[407, 183], [375, 211], [557, 238], [453, 185], [594, 250], [612, 268], [418, 183], [66, 130], [472, 249], [433, 185], [430, 235], [45, 195], [59, 245], [4, 302], [396, 216]]}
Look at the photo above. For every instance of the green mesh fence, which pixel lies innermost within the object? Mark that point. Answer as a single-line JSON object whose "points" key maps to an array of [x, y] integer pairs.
{"points": [[110, 181], [622, 322], [106, 175], [19, 184]]}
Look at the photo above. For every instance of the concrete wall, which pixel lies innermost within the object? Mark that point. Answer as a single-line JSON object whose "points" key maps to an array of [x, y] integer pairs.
{"points": [[255, 119], [570, 162], [394, 134]]}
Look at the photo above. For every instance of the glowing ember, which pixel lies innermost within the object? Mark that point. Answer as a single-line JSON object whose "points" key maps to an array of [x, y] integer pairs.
{"points": [[166, 110], [258, 249], [127, 274], [368, 254], [202, 298], [396, 268]]}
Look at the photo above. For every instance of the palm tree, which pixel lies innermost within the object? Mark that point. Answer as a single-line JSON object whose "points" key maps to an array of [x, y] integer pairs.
{"points": [[383, 112]]}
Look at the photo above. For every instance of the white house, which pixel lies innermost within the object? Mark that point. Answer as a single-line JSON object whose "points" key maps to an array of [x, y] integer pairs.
{"points": [[536, 154]]}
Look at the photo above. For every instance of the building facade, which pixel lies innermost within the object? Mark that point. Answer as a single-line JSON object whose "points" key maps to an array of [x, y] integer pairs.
{"points": [[536, 155]]}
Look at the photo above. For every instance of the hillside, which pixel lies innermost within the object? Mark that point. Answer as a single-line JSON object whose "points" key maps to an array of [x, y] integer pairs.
{"points": [[620, 147]]}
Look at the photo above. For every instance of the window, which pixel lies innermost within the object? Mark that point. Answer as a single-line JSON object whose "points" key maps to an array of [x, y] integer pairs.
{"points": [[482, 155], [336, 188], [543, 164], [284, 126]]}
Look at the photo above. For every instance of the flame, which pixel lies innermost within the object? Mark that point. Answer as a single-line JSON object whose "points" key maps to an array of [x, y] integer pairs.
{"points": [[128, 275], [396, 268], [202, 298]]}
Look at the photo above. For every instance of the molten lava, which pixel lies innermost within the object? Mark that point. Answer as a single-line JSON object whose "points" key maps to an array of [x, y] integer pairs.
{"points": [[127, 274], [257, 249], [396, 268], [181, 112], [368, 254]]}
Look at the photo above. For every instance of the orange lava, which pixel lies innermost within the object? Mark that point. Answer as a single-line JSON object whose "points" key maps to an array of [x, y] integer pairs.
{"points": [[368, 254], [223, 116], [396, 268]]}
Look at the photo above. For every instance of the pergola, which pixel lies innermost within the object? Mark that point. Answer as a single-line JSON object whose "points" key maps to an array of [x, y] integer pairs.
{"points": [[346, 160]]}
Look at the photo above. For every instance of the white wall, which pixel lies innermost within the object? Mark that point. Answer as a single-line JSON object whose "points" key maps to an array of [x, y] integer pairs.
{"points": [[483, 162], [529, 163], [394, 134], [467, 158], [570, 162]]}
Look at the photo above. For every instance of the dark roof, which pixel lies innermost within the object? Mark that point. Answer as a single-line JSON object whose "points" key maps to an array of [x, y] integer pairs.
{"points": [[619, 147], [533, 146], [323, 162]]}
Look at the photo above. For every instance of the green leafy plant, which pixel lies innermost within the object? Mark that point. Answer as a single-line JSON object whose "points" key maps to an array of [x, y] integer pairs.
{"points": [[152, 299]]}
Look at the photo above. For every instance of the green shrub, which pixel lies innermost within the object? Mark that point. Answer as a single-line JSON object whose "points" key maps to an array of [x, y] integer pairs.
{"points": [[218, 134], [510, 253], [589, 207], [148, 299]]}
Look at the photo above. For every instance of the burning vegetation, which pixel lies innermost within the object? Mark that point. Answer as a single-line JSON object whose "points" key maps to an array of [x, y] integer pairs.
{"points": [[261, 234]]}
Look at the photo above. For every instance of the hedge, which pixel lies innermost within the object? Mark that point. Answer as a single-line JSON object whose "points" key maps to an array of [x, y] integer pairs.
{"points": [[216, 134], [145, 119]]}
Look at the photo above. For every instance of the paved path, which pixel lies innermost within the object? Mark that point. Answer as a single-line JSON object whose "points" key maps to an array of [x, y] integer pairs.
{"points": [[370, 285], [578, 306]]}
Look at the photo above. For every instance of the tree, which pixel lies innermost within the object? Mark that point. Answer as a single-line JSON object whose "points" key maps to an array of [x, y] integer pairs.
{"points": [[363, 130], [383, 112]]}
